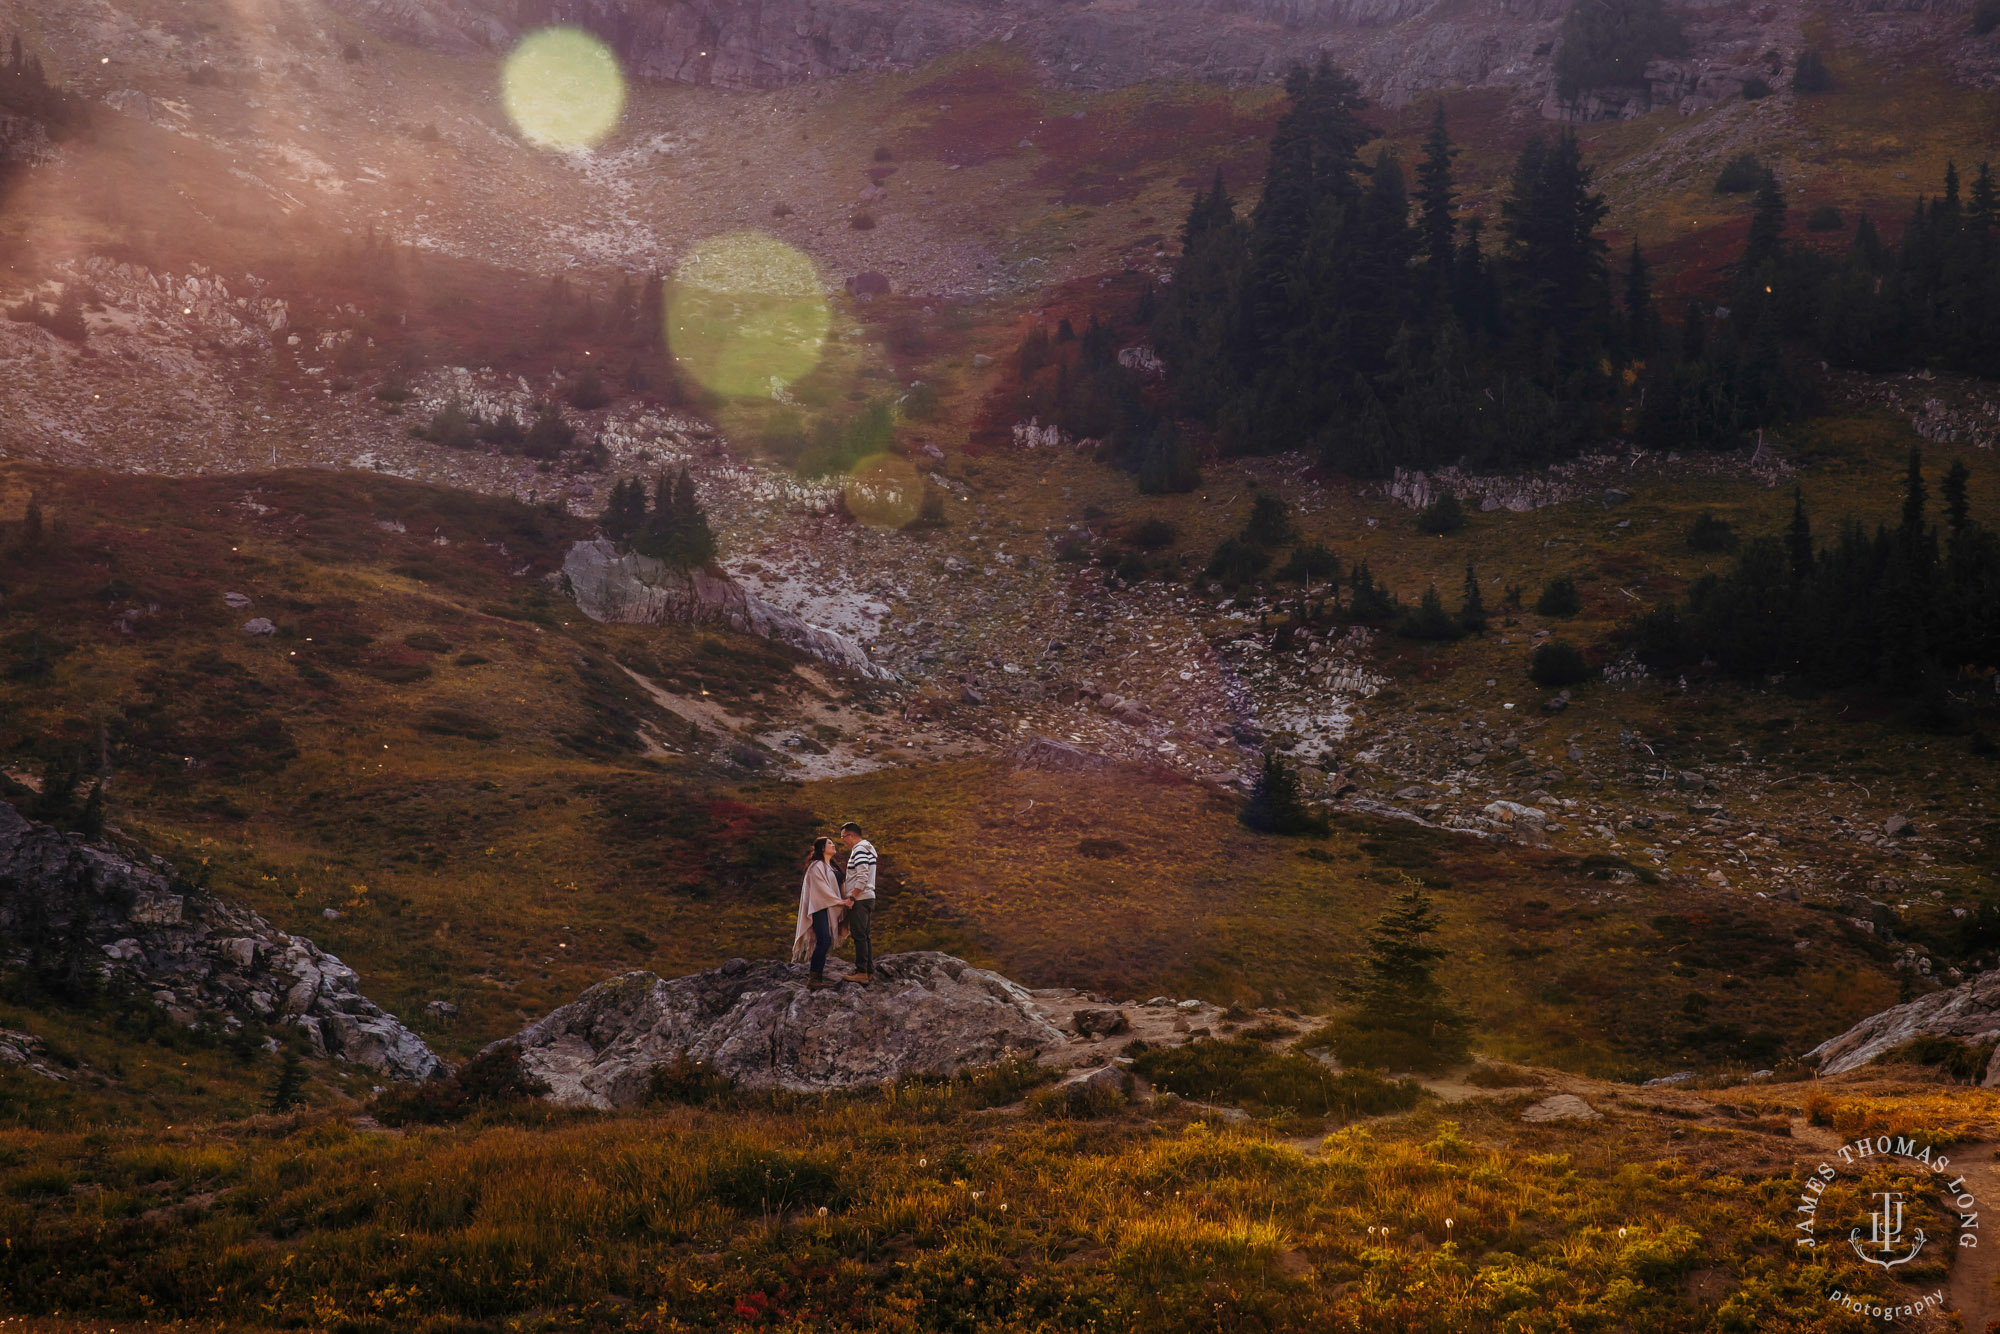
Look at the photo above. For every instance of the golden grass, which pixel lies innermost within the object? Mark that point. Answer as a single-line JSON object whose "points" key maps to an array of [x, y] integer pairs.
{"points": [[855, 1214]]}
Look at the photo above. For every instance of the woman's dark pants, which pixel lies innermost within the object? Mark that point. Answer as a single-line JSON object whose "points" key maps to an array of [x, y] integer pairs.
{"points": [[822, 940]]}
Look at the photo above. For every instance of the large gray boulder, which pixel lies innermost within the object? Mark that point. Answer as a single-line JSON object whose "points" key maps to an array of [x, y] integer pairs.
{"points": [[199, 958], [624, 586], [927, 1014], [1969, 1012]]}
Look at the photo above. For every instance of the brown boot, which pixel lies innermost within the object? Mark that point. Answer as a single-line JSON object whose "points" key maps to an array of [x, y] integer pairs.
{"points": [[863, 978], [817, 982]]}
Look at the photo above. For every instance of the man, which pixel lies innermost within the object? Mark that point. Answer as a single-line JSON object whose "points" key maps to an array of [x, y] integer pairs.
{"points": [[858, 894]]}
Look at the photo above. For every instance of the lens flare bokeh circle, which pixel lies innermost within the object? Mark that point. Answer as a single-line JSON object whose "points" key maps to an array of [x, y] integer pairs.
{"points": [[562, 88], [746, 314], [884, 490]]}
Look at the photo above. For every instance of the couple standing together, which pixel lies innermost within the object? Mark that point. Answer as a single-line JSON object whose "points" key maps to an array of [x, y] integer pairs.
{"points": [[833, 906]]}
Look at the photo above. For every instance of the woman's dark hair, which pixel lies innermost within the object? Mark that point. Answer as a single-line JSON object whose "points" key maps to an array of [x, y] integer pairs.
{"points": [[819, 850]]}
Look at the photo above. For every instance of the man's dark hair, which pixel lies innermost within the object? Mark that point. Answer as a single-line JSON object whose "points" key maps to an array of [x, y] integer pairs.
{"points": [[850, 825]]}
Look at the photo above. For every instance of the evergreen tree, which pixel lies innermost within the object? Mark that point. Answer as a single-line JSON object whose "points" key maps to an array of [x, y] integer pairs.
{"points": [[1953, 489], [1442, 516], [1810, 74], [1169, 466], [1606, 43], [1367, 602], [1275, 804], [550, 434], [1984, 211], [1553, 258], [1428, 619], [1402, 1017], [1694, 332], [624, 510], [56, 802], [694, 541], [91, 823], [1767, 228], [1642, 323], [1798, 538], [1472, 609], [1915, 496], [288, 1087], [1436, 201], [1270, 521]]}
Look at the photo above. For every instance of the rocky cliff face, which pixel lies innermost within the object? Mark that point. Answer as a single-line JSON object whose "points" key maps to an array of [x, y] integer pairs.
{"points": [[1397, 47], [610, 585], [197, 957], [757, 1024], [1967, 1013]]}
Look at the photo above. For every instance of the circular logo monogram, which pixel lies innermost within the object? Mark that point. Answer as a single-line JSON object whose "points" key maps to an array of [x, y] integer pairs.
{"points": [[1878, 1228]]}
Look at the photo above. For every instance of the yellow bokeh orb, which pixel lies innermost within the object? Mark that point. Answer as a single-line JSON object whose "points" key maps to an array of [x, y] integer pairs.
{"points": [[884, 490], [562, 88], [746, 314]]}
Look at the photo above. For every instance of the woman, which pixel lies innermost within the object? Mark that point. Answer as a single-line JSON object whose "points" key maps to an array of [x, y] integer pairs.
{"points": [[819, 926]]}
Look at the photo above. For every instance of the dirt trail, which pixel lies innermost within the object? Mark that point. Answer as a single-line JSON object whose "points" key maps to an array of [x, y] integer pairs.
{"points": [[1976, 1270]]}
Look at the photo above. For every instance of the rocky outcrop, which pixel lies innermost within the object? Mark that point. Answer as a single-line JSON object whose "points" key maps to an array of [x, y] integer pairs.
{"points": [[927, 1014], [1398, 48], [197, 957], [1967, 1013], [613, 585]]}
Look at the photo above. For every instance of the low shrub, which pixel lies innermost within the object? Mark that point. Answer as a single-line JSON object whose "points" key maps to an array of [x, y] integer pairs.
{"points": [[1557, 662], [1825, 218], [1710, 533], [1443, 515], [1756, 88], [1740, 175], [1962, 1062], [1244, 1072], [491, 1079], [1985, 16], [1559, 598], [687, 1081], [1811, 75]]}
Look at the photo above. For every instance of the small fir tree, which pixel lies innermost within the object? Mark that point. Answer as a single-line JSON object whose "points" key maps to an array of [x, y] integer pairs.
{"points": [[289, 1085], [1270, 521], [1275, 804], [1429, 619], [1402, 1017], [1472, 611], [1444, 515]]}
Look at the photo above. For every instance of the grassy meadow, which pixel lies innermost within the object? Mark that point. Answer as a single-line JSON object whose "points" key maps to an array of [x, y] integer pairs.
{"points": [[954, 1207]]}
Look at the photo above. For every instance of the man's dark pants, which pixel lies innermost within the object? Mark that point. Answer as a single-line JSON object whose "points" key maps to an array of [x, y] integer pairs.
{"points": [[858, 925]]}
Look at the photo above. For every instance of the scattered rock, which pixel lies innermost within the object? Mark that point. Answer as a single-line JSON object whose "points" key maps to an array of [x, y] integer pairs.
{"points": [[1678, 1077], [1109, 1078], [1052, 756], [1898, 826], [235, 601], [259, 625], [1561, 1107], [610, 585], [1100, 1023]]}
